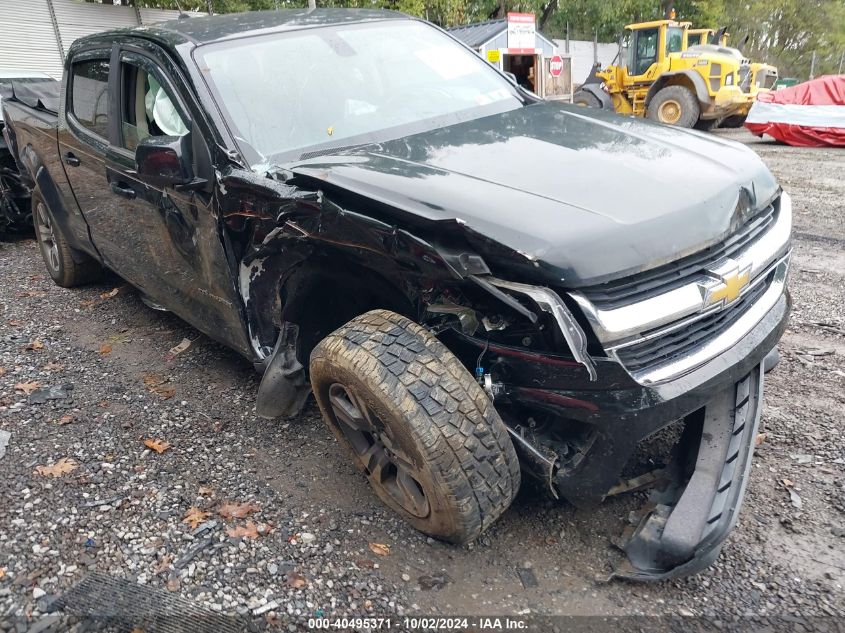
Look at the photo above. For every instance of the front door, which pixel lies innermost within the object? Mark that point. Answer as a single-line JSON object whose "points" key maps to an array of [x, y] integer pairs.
{"points": [[167, 243]]}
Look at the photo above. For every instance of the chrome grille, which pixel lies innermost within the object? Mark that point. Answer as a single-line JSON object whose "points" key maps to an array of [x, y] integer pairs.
{"points": [[665, 322], [657, 351], [675, 274]]}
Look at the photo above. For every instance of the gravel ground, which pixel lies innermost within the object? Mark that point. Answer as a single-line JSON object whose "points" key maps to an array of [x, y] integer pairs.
{"points": [[265, 519]]}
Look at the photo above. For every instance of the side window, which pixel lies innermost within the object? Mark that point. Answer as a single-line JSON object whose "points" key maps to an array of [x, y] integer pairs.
{"points": [[90, 95], [146, 108], [646, 50], [674, 40]]}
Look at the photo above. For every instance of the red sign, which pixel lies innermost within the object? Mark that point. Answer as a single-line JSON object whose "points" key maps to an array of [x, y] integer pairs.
{"points": [[521, 34], [555, 66]]}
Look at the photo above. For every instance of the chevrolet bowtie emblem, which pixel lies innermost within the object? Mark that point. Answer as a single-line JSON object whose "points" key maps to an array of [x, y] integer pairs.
{"points": [[728, 284]]}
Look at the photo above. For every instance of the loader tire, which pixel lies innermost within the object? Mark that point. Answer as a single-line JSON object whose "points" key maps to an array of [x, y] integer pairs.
{"points": [[419, 426], [586, 99], [66, 266], [674, 105]]}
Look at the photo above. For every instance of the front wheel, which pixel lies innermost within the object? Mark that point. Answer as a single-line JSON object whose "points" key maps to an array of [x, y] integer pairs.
{"points": [[586, 99], [674, 105], [417, 424]]}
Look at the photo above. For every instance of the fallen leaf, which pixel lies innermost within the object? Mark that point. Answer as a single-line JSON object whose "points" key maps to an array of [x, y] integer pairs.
{"points": [[206, 490], [137, 630], [62, 467], [178, 349], [230, 510], [2, 572], [104, 404], [159, 386], [157, 445], [163, 565], [30, 293], [364, 563], [173, 584], [151, 379], [380, 548], [761, 437], [87, 303], [105, 348], [2, 371], [250, 530], [164, 392], [194, 516], [787, 483], [51, 366], [295, 580], [28, 387], [34, 345], [15, 323], [65, 419], [111, 293]]}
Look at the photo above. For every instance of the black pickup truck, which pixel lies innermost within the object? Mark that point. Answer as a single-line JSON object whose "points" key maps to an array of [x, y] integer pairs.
{"points": [[473, 283]]}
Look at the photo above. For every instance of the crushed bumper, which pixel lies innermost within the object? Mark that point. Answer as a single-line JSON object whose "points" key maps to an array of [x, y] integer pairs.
{"points": [[690, 516], [577, 436]]}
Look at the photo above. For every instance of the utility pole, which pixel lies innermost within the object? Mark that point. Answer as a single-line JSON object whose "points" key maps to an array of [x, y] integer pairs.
{"points": [[312, 4], [209, 7], [813, 66], [841, 61]]}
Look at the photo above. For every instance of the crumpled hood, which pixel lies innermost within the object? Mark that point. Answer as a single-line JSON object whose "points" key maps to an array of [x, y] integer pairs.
{"points": [[587, 193]]}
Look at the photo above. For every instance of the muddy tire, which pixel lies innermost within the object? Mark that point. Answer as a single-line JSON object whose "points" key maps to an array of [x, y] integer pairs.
{"points": [[66, 266], [674, 105], [586, 99], [417, 424]]}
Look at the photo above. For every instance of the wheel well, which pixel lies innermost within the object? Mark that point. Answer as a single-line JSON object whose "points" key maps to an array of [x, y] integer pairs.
{"points": [[320, 297], [679, 79]]}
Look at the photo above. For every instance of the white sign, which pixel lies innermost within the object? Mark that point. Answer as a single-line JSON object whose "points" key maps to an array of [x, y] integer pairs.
{"points": [[521, 33]]}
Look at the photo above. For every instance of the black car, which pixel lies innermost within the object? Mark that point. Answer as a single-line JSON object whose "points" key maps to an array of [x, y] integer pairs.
{"points": [[472, 282]]}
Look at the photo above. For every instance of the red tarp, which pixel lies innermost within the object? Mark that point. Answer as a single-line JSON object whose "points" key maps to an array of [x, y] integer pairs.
{"points": [[811, 114]]}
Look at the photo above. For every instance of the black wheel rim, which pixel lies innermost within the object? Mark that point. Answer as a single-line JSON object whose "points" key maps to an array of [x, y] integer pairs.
{"points": [[47, 237], [388, 467]]}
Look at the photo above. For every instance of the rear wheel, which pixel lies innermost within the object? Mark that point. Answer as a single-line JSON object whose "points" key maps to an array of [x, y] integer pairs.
{"points": [[586, 99], [674, 105], [417, 424], [66, 266]]}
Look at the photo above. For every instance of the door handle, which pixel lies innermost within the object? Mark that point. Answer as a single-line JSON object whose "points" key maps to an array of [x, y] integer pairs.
{"points": [[71, 159], [123, 190]]}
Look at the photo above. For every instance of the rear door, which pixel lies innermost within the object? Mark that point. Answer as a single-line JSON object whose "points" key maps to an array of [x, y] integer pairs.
{"points": [[83, 139]]}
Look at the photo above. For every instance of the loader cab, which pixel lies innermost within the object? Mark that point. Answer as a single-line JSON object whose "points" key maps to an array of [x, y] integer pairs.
{"points": [[697, 37], [648, 45]]}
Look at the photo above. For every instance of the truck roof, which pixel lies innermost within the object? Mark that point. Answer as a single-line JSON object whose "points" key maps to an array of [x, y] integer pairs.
{"points": [[214, 28]]}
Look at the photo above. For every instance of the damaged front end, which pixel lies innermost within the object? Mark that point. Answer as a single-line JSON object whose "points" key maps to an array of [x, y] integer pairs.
{"points": [[578, 389]]}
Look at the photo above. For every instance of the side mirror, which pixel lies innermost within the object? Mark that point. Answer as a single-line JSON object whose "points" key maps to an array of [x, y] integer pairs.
{"points": [[164, 161]]}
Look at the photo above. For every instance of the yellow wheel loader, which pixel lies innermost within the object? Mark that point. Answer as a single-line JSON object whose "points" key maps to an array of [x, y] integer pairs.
{"points": [[754, 77], [661, 78]]}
